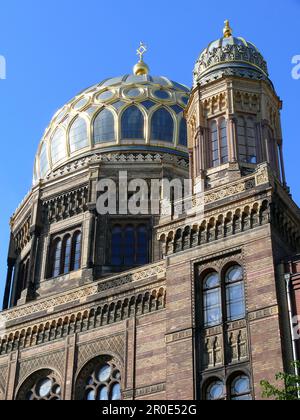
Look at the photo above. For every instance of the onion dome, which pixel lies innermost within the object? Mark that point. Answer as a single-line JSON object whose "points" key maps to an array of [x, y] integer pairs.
{"points": [[230, 56], [130, 113]]}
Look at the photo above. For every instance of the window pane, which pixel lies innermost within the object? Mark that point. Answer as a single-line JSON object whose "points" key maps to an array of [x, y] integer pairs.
{"points": [[116, 393], [132, 124], [235, 301], [129, 250], [240, 389], [78, 135], [44, 163], [183, 133], [67, 255], [211, 281], [116, 246], [142, 245], [162, 126], [104, 127], [224, 145], [214, 144], [234, 274], [77, 251], [212, 307], [57, 259], [215, 391], [58, 146]]}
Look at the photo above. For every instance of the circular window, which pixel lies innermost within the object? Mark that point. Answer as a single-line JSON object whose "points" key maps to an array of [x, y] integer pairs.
{"points": [[215, 391], [106, 96], [162, 94], [133, 93], [80, 104]]}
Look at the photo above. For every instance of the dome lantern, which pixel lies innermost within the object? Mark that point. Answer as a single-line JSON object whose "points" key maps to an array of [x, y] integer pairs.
{"points": [[230, 56]]}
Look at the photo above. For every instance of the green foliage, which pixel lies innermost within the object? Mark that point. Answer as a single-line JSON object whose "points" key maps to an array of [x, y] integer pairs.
{"points": [[289, 391]]}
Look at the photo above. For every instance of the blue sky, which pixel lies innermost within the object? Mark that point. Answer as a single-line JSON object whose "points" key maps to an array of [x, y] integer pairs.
{"points": [[56, 48]]}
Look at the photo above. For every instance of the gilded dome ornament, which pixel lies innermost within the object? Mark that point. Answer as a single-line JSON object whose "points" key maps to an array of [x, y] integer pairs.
{"points": [[227, 31], [141, 68]]}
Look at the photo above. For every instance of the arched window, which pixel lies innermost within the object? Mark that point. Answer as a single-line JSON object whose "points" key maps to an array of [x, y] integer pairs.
{"points": [[104, 127], [162, 126], [214, 144], [66, 254], [215, 391], [183, 140], [219, 143], [56, 270], [44, 163], [76, 253], [241, 389], [100, 380], [78, 135], [235, 295], [58, 147], [246, 140], [132, 124], [41, 386], [223, 141], [212, 300], [116, 246]]}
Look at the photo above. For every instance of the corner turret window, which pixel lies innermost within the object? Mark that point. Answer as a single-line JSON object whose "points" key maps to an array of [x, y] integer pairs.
{"points": [[218, 142], [246, 140]]}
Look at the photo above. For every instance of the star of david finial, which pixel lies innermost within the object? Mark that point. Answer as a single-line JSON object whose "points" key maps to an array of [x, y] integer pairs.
{"points": [[141, 51]]}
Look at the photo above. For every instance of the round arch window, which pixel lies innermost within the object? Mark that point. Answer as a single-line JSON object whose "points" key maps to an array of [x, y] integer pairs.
{"points": [[240, 388], [215, 391], [41, 386], [99, 380]]}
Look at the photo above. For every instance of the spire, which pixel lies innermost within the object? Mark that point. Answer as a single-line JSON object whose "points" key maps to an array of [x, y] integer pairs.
{"points": [[227, 31], [141, 67]]}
